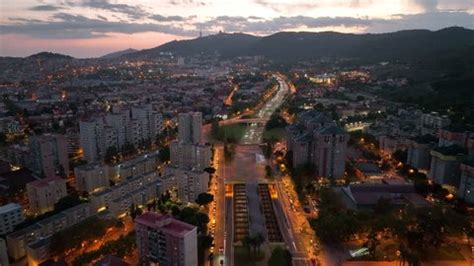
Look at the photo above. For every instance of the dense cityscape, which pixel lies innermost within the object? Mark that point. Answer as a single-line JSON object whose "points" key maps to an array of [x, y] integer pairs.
{"points": [[292, 148]]}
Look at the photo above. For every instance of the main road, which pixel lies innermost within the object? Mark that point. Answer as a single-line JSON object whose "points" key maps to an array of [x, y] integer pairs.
{"points": [[248, 167]]}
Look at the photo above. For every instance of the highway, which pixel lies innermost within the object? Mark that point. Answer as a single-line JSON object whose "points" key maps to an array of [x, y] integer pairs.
{"points": [[254, 133]]}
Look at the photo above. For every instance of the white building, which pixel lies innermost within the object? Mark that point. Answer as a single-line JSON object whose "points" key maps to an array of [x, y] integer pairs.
{"points": [[190, 127], [92, 139], [138, 190], [190, 156], [11, 214], [92, 177], [432, 122], [43, 194], [189, 183]]}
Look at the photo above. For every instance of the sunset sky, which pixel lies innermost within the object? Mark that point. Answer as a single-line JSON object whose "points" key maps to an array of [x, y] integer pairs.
{"points": [[90, 28]]}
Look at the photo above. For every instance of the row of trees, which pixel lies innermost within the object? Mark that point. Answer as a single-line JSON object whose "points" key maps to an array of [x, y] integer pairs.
{"points": [[87, 230], [120, 248]]}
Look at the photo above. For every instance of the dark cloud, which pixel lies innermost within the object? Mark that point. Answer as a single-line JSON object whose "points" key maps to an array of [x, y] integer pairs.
{"points": [[187, 2], [161, 18], [45, 8], [64, 25], [134, 12], [242, 24], [68, 26]]}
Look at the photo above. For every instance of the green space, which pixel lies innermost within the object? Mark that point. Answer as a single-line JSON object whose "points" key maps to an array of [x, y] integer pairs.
{"points": [[230, 133], [274, 133], [246, 257]]}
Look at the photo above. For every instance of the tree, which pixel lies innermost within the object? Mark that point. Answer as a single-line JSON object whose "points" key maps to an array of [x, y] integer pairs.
{"points": [[204, 198], [259, 239], [372, 243], [268, 171], [280, 257], [210, 170], [215, 129], [164, 154]]}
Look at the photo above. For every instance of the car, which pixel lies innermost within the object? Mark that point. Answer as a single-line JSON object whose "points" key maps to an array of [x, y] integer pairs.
{"points": [[221, 249]]}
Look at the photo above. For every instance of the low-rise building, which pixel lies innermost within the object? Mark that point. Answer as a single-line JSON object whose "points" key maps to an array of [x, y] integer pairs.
{"points": [[368, 195], [163, 240], [11, 214]]}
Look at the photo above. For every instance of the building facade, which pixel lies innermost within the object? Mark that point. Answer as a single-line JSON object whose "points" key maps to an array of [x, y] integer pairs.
{"points": [[92, 177], [418, 153], [466, 186], [11, 214], [49, 155], [163, 240], [315, 139], [45, 193]]}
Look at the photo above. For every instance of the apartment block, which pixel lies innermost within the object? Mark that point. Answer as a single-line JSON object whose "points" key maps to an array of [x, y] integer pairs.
{"points": [[418, 153], [315, 139], [92, 177], [163, 240], [11, 214], [45, 193], [466, 185]]}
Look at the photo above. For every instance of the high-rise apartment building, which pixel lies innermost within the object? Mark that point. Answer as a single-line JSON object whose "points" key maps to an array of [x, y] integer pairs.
{"points": [[49, 155], [190, 127], [45, 193], [315, 139], [329, 151], [163, 240], [92, 139], [122, 127], [190, 156]]}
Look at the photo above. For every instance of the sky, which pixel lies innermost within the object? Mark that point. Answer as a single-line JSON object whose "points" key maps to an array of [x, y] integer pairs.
{"points": [[90, 28]]}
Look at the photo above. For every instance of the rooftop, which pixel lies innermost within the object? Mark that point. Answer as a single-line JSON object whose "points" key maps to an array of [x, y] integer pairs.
{"points": [[111, 260], [451, 150], [425, 139], [166, 223], [9, 207], [45, 182]]}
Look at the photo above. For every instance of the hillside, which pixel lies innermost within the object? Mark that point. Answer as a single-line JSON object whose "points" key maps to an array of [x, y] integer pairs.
{"points": [[402, 45], [119, 53], [222, 43]]}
